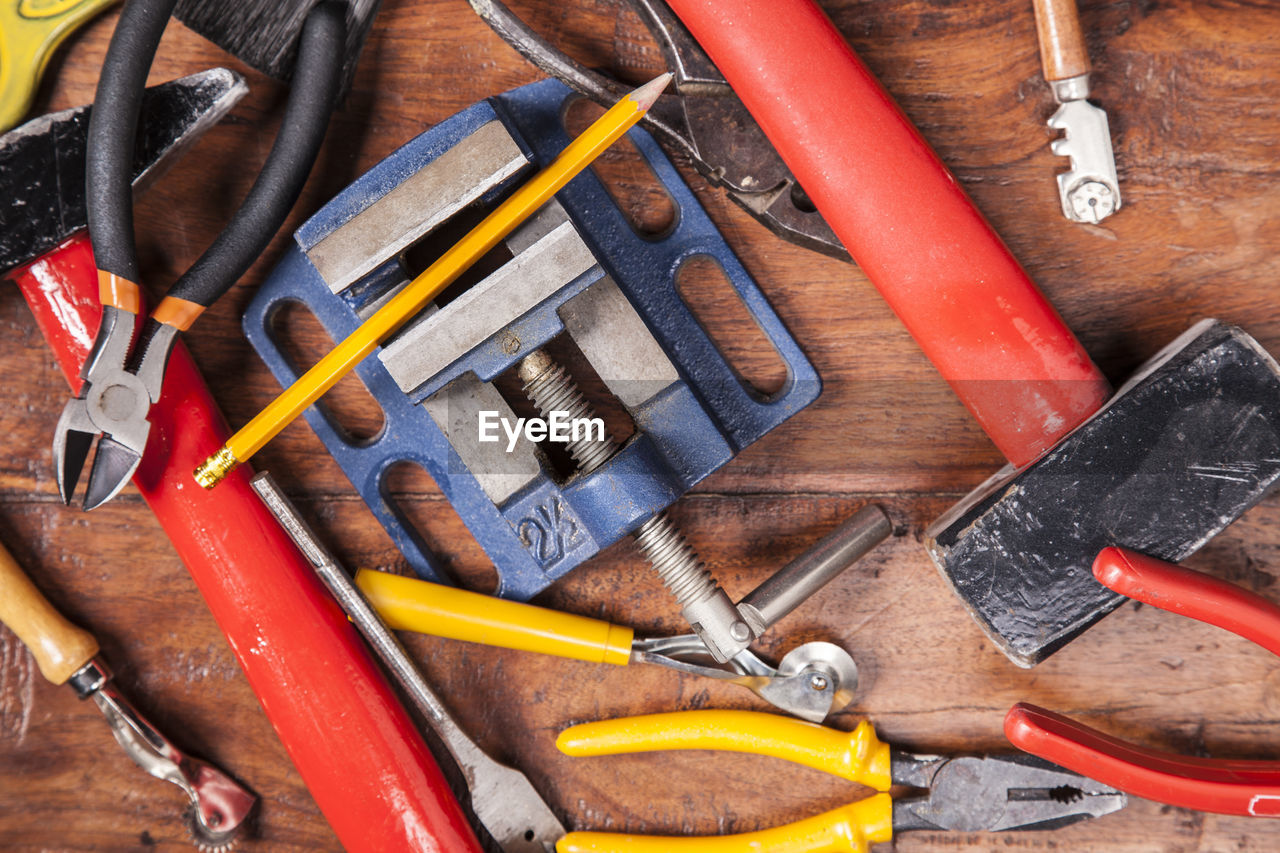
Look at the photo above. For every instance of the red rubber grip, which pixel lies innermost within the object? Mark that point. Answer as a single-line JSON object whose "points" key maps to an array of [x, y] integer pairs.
{"points": [[1204, 784], [1207, 784], [1193, 594], [904, 219], [354, 745]]}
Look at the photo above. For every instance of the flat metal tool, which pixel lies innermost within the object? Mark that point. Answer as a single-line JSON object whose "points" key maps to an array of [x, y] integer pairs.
{"points": [[1089, 190], [502, 798], [963, 794], [812, 681], [67, 654], [578, 272], [702, 120]]}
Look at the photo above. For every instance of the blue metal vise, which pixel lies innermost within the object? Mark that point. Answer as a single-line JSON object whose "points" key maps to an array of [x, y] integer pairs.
{"points": [[577, 268]]}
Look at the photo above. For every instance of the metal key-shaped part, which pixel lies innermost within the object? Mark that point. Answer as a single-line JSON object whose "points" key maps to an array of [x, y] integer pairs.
{"points": [[503, 799]]}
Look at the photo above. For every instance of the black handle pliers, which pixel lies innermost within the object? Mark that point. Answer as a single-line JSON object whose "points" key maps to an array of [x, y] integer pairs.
{"points": [[123, 376]]}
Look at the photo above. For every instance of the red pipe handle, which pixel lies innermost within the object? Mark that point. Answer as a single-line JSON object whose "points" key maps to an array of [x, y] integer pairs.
{"points": [[904, 219], [1193, 594], [354, 745], [1204, 784]]}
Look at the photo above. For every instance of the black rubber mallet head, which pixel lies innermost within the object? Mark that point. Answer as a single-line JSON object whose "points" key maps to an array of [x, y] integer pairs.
{"points": [[1183, 449]]}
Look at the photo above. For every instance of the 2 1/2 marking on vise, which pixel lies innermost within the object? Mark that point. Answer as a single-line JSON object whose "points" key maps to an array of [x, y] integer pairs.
{"points": [[558, 428]]}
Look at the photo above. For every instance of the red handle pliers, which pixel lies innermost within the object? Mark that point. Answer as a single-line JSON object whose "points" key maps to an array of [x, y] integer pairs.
{"points": [[1243, 787]]}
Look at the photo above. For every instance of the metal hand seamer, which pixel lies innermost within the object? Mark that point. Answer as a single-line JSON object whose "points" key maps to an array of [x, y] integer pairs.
{"points": [[964, 794], [579, 269]]}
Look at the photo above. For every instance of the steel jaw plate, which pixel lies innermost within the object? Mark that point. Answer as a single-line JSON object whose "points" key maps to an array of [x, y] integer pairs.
{"points": [[577, 268]]}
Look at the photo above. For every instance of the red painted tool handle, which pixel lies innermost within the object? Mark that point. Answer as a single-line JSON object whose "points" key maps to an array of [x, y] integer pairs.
{"points": [[1190, 593], [904, 219], [1204, 784], [353, 743]]}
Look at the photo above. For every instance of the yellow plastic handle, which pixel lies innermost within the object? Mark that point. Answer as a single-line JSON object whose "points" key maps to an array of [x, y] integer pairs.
{"points": [[409, 604], [858, 756], [30, 30], [848, 829], [59, 647]]}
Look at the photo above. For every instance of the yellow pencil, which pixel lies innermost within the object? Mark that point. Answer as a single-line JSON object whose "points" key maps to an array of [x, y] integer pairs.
{"points": [[502, 221]]}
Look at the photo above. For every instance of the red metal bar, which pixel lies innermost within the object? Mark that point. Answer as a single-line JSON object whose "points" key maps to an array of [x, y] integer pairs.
{"points": [[354, 745], [904, 219]]}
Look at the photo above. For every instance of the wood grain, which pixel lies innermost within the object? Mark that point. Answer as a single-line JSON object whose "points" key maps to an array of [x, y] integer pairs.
{"points": [[1190, 88], [1063, 53]]}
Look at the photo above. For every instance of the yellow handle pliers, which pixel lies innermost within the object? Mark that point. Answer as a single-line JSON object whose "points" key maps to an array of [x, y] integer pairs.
{"points": [[971, 794]]}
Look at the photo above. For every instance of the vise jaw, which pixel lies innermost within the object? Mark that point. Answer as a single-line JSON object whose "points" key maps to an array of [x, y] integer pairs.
{"points": [[577, 269]]}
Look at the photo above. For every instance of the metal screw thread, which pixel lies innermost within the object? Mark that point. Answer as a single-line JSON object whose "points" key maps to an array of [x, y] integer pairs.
{"points": [[675, 561], [551, 390]]}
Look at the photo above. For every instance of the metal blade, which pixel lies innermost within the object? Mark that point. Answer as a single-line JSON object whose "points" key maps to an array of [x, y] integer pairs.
{"points": [[72, 439], [113, 465], [43, 161]]}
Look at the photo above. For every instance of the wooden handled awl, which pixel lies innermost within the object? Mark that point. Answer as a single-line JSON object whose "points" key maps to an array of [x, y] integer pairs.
{"points": [[68, 654], [1089, 190]]}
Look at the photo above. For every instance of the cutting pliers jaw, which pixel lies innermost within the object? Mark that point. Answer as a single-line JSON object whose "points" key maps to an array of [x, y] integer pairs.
{"points": [[113, 403]]}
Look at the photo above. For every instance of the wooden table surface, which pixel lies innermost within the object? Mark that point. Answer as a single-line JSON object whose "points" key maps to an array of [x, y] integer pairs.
{"points": [[1189, 86]]}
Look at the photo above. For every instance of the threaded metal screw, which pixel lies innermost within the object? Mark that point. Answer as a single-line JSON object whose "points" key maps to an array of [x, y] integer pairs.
{"points": [[714, 616]]}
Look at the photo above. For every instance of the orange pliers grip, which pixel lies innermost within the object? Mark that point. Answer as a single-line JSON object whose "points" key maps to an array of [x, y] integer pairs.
{"points": [[1242, 787]]}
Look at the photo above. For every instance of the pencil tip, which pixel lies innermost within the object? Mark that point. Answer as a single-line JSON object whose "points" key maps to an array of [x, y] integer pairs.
{"points": [[649, 92]]}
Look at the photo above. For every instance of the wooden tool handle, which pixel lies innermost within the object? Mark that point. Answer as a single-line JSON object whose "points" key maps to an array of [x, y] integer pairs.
{"points": [[1062, 50], [60, 648]]}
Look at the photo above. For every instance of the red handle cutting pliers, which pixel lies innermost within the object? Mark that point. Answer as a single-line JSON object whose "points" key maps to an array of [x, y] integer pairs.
{"points": [[1243, 787]]}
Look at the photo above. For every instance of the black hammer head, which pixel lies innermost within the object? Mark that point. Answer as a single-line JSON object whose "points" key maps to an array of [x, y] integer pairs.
{"points": [[1181, 451], [264, 33], [42, 199]]}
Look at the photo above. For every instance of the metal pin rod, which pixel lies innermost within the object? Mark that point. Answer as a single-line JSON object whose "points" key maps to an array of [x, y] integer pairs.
{"points": [[795, 582]]}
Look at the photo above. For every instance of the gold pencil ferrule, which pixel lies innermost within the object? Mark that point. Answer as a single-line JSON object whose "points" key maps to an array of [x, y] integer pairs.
{"points": [[211, 472]]}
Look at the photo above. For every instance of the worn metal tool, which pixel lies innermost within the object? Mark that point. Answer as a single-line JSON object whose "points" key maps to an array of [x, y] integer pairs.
{"points": [[1187, 446], [968, 794], [812, 681], [1089, 190], [298, 653], [1240, 787], [125, 372], [502, 798], [42, 163], [578, 271], [67, 654], [30, 31], [702, 120]]}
